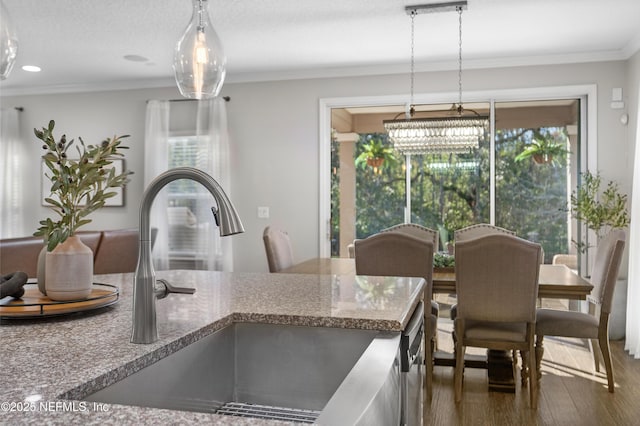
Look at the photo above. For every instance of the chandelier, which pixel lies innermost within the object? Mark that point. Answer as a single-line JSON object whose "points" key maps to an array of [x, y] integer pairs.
{"points": [[456, 132]]}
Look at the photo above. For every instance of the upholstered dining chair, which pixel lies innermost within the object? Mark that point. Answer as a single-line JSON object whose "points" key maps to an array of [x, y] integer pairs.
{"points": [[478, 230], [278, 248], [471, 232], [496, 286], [401, 255], [416, 230], [593, 325]]}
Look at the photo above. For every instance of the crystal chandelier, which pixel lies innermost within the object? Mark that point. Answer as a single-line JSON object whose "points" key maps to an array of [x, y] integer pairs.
{"points": [[199, 62], [454, 133]]}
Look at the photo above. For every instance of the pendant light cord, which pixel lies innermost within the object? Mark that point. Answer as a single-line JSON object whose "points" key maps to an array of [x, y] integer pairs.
{"points": [[459, 9], [413, 18]]}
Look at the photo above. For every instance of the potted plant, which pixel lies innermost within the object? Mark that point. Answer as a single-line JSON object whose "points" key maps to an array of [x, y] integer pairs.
{"points": [[80, 184], [598, 213], [542, 151], [374, 155]]}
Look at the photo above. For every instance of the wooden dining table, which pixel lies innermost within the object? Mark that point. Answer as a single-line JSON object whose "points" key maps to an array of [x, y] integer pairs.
{"points": [[554, 281]]}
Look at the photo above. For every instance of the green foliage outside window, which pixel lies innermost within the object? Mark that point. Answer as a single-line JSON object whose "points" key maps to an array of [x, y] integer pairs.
{"points": [[451, 191]]}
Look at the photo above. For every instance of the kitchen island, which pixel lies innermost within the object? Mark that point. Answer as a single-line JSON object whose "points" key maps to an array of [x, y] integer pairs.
{"points": [[51, 364]]}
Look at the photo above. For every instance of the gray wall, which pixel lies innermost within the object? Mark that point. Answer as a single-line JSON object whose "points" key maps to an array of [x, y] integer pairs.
{"points": [[274, 135]]}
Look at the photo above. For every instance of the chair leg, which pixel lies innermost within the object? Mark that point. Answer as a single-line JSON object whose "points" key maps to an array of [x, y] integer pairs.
{"points": [[595, 351], [539, 352], [459, 372], [428, 366], [603, 342]]}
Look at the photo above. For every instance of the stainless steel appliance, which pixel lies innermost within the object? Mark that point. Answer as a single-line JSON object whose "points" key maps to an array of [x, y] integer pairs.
{"points": [[412, 370]]}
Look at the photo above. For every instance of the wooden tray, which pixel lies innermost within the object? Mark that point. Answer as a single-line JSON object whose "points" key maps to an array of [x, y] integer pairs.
{"points": [[36, 305]]}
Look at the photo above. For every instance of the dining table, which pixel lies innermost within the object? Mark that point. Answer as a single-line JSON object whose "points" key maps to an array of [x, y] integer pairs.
{"points": [[554, 281]]}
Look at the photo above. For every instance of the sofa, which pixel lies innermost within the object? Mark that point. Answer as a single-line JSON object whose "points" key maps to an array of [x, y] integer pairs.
{"points": [[114, 251]]}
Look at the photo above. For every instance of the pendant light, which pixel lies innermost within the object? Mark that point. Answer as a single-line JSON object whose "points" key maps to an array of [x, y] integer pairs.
{"points": [[199, 62], [8, 43], [453, 133]]}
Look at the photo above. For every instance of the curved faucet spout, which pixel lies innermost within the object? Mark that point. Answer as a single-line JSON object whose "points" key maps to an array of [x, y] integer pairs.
{"points": [[145, 329]]}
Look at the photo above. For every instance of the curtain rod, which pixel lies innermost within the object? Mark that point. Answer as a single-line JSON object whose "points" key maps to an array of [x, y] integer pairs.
{"points": [[226, 98]]}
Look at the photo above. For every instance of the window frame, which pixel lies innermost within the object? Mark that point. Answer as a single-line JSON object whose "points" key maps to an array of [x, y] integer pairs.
{"points": [[588, 131]]}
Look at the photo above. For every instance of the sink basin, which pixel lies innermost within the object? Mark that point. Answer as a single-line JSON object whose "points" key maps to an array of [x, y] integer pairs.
{"points": [[304, 374]]}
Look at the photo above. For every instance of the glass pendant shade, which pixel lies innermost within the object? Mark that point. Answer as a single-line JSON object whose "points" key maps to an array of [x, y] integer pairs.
{"points": [[8, 43], [199, 62], [436, 135]]}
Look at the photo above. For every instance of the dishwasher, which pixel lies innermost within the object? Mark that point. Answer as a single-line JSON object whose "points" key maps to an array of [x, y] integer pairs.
{"points": [[411, 369]]}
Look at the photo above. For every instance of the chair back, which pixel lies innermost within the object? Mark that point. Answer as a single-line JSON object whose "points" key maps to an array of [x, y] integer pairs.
{"points": [[278, 248], [416, 230], [395, 254], [497, 278], [606, 267], [479, 230]]}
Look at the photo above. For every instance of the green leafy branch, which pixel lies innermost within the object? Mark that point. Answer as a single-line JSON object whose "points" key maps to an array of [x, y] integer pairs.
{"points": [[78, 186], [599, 214]]}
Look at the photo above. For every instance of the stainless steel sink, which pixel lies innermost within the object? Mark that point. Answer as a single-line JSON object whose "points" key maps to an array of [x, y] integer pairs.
{"points": [[304, 374]]}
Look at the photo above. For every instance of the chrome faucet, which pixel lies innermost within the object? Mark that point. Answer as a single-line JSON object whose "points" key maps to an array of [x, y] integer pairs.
{"points": [[145, 292]]}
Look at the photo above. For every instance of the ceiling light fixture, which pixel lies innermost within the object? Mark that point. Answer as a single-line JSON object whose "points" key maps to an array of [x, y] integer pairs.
{"points": [[31, 68], [199, 62], [454, 133], [8, 43]]}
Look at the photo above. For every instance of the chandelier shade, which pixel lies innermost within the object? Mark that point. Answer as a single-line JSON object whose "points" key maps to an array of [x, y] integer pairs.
{"points": [[436, 135], [199, 61]]}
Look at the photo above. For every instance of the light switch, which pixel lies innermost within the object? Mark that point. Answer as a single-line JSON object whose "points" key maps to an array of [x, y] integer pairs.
{"points": [[263, 212]]}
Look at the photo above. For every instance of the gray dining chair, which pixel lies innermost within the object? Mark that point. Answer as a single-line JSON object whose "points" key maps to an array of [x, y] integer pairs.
{"points": [[479, 230], [496, 285], [278, 248], [593, 325], [423, 233], [401, 255]]}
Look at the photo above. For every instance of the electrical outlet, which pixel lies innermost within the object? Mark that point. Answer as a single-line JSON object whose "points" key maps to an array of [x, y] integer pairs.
{"points": [[263, 212]]}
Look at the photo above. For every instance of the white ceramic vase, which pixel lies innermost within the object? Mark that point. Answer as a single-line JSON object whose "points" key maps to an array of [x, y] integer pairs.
{"points": [[69, 271]]}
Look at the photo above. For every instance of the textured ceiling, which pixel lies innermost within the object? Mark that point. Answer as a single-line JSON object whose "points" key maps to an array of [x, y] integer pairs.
{"points": [[80, 44]]}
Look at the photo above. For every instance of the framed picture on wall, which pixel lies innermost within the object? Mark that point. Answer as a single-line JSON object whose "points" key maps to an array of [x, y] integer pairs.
{"points": [[45, 186]]}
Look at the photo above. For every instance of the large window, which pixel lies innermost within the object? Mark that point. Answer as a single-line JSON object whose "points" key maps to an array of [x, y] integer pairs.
{"points": [[450, 191]]}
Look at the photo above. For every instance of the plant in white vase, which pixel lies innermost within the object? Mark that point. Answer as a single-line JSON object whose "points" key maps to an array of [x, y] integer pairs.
{"points": [[81, 182]]}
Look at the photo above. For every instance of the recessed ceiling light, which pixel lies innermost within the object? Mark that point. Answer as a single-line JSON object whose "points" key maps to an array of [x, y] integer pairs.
{"points": [[31, 68]]}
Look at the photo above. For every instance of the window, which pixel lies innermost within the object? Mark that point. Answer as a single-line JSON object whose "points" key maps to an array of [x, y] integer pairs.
{"points": [[495, 183], [185, 198]]}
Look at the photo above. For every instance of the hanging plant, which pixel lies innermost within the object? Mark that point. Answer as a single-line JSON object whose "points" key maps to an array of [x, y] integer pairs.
{"points": [[600, 214], [376, 155], [543, 151]]}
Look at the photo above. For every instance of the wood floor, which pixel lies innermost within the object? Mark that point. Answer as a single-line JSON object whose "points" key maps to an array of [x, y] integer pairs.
{"points": [[571, 393]]}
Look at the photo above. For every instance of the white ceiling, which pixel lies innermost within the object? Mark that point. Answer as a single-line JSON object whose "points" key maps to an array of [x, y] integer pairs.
{"points": [[80, 44]]}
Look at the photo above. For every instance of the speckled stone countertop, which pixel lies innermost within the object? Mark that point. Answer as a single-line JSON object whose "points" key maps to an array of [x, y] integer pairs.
{"points": [[66, 358]]}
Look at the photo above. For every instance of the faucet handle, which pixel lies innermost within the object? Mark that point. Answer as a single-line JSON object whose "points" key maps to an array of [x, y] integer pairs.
{"points": [[163, 288]]}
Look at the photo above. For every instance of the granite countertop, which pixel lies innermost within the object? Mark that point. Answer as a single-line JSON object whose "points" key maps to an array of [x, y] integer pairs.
{"points": [[62, 359]]}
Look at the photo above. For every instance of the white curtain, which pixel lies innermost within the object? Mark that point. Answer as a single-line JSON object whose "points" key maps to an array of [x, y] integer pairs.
{"points": [[633, 290], [156, 148], [12, 167], [213, 158], [210, 128]]}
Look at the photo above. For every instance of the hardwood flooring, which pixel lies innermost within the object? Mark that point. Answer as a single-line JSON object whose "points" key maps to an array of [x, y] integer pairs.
{"points": [[571, 392]]}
